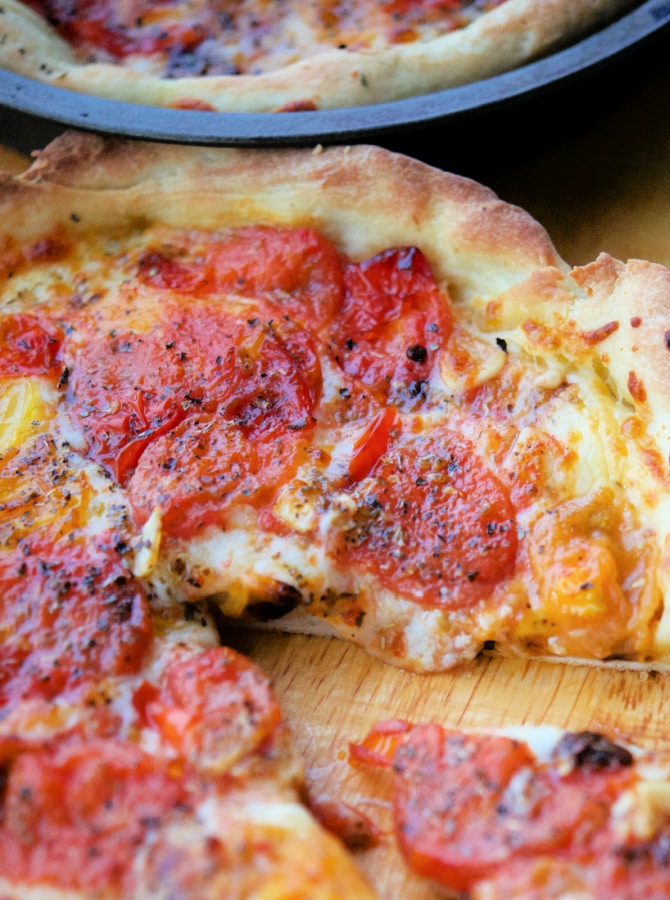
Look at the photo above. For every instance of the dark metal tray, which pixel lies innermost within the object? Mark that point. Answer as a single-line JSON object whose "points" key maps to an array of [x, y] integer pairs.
{"points": [[32, 109]]}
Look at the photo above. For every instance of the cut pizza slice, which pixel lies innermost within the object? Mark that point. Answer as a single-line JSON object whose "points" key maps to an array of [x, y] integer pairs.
{"points": [[138, 757], [342, 391], [533, 812], [179, 786], [256, 56]]}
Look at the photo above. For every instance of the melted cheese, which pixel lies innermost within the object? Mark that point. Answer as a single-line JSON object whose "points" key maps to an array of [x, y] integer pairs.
{"points": [[253, 37], [546, 413]]}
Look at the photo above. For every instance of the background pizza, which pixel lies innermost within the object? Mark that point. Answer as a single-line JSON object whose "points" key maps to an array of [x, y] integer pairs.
{"points": [[258, 56]]}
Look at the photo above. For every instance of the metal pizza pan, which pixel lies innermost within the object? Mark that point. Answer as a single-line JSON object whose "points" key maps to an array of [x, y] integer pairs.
{"points": [[32, 112]]}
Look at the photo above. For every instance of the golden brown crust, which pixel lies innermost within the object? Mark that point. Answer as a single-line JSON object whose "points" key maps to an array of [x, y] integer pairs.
{"points": [[506, 37], [12, 162], [461, 226]]}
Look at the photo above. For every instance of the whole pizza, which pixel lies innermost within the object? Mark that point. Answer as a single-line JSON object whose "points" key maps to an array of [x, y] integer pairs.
{"points": [[333, 391], [269, 55]]}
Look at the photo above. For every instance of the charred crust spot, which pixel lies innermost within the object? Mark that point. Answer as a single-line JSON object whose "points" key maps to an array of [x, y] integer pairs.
{"points": [[417, 353], [283, 600], [591, 752]]}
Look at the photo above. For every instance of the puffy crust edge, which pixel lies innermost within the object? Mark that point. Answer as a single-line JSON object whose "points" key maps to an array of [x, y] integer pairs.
{"points": [[502, 39], [364, 198]]}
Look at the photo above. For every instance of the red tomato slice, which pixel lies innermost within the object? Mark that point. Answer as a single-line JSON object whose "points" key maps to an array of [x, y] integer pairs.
{"points": [[372, 444], [379, 746], [471, 807], [393, 322], [29, 345], [215, 708], [74, 813], [432, 520], [207, 406], [72, 614], [298, 270]]}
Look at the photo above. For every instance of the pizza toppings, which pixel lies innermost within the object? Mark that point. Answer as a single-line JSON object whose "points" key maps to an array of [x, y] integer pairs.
{"points": [[260, 375], [134, 798], [432, 521], [393, 324], [219, 39], [247, 419], [69, 616], [216, 709], [486, 814], [101, 799], [28, 346]]}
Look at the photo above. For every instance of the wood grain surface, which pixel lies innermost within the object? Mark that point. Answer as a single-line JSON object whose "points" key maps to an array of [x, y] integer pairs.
{"points": [[606, 187]]}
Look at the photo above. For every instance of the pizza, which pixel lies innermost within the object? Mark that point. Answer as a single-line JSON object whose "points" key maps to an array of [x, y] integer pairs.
{"points": [[337, 392], [258, 56], [139, 756], [536, 811]]}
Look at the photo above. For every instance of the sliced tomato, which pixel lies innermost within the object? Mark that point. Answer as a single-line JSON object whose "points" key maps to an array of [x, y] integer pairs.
{"points": [[393, 322], [372, 444], [29, 345], [71, 614], [472, 807], [432, 521], [207, 405], [215, 708], [73, 814], [378, 747], [297, 269]]}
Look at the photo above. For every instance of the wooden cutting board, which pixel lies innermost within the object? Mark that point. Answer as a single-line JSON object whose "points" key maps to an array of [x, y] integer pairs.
{"points": [[606, 188]]}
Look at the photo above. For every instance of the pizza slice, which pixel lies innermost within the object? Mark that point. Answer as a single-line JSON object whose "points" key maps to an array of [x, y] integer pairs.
{"points": [[257, 56], [344, 392], [534, 812], [138, 757]]}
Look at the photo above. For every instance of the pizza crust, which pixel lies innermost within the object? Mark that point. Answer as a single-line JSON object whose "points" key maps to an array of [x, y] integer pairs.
{"points": [[508, 36], [475, 242]]}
